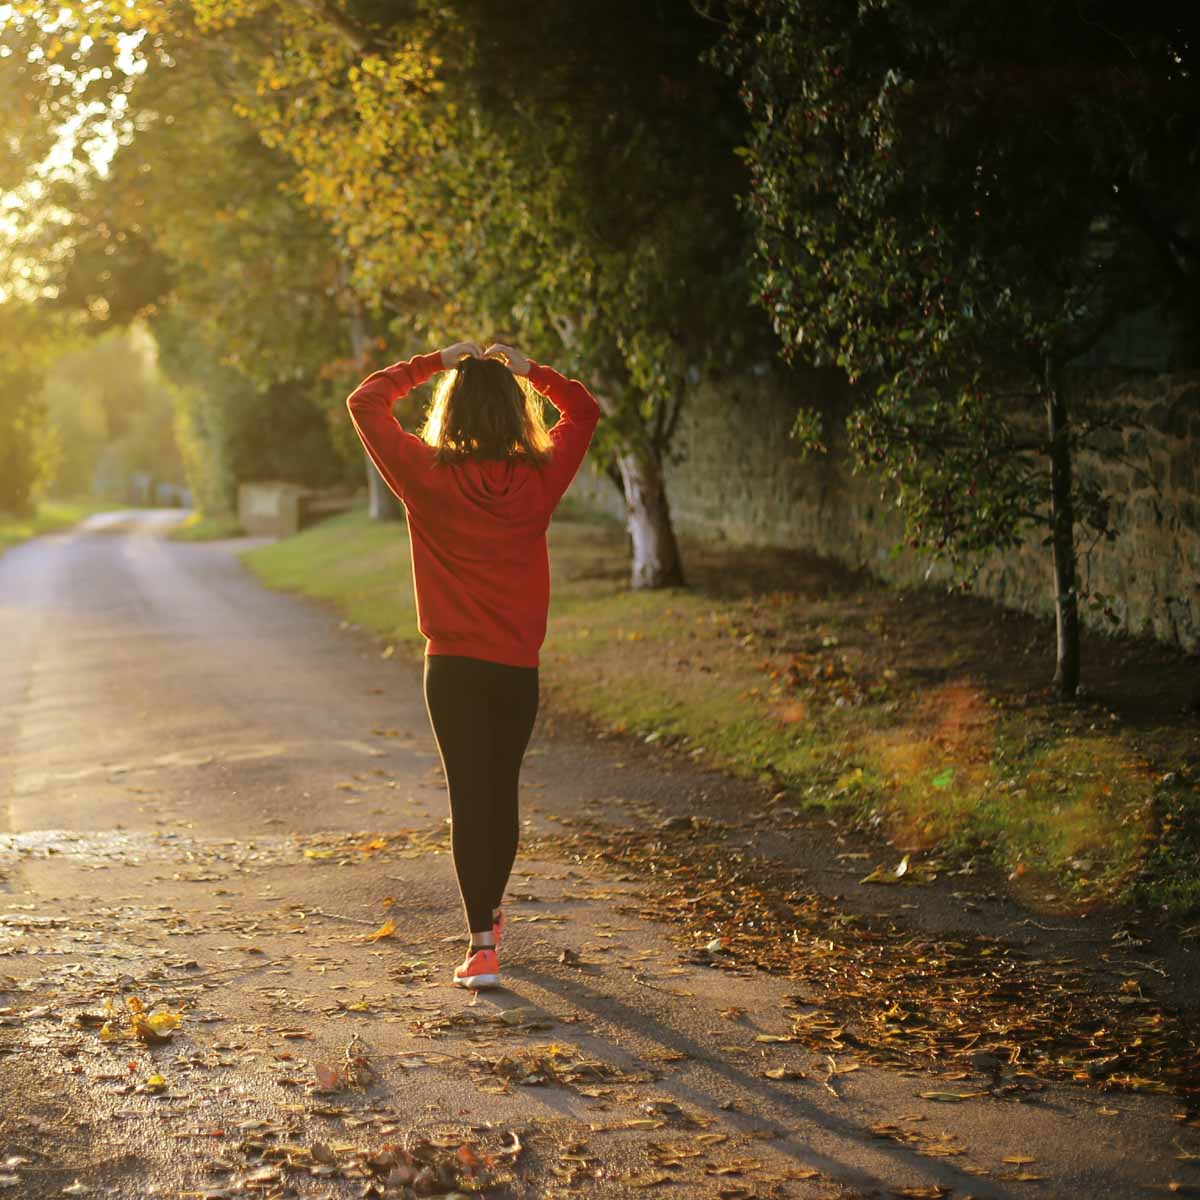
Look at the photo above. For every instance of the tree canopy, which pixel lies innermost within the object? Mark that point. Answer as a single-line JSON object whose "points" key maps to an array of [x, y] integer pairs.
{"points": [[952, 204]]}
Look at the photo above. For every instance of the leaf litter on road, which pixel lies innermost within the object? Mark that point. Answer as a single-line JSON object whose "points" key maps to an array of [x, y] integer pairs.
{"points": [[890, 995]]}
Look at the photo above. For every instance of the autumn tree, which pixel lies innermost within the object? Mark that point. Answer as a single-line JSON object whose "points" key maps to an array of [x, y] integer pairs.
{"points": [[953, 203], [190, 225], [564, 177]]}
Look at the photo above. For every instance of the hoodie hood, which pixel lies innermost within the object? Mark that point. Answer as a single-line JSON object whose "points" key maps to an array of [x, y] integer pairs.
{"points": [[497, 487]]}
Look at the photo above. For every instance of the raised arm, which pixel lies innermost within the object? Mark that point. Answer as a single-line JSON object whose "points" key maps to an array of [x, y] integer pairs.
{"points": [[572, 432], [578, 415], [396, 452]]}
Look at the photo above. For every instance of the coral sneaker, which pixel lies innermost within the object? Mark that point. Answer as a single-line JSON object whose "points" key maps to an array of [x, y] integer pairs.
{"points": [[481, 969], [498, 926]]}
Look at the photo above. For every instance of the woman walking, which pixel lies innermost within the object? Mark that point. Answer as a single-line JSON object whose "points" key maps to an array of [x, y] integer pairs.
{"points": [[479, 485]]}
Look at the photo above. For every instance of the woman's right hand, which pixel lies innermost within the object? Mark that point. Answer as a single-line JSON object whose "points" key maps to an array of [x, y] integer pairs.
{"points": [[512, 358], [460, 350]]}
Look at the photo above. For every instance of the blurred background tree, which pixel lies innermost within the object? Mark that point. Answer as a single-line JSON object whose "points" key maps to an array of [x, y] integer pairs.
{"points": [[188, 230], [29, 444], [112, 410]]}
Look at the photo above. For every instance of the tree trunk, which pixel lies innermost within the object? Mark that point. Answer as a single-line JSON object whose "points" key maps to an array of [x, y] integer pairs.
{"points": [[656, 562], [654, 551], [1062, 533], [381, 502]]}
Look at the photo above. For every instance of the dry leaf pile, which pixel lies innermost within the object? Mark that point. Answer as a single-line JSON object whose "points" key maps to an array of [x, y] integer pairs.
{"points": [[884, 993], [268, 1160], [557, 1065]]}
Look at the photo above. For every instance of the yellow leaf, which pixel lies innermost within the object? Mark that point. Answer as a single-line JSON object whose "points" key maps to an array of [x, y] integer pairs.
{"points": [[164, 1022], [156, 1083], [387, 929]]}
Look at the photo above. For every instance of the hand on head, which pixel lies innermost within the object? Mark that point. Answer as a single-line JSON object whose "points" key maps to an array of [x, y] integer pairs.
{"points": [[452, 355], [512, 358]]}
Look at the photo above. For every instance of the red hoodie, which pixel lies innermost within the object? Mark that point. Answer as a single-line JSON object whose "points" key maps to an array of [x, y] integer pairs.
{"points": [[478, 529]]}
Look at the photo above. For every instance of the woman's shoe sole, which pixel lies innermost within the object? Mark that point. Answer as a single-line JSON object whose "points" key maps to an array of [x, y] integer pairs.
{"points": [[477, 981]]}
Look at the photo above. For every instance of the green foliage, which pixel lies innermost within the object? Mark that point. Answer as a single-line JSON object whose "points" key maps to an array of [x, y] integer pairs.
{"points": [[111, 408], [192, 228], [952, 203], [582, 206], [28, 446]]}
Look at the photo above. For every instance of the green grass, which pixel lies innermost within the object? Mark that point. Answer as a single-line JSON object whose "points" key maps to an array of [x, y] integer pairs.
{"points": [[49, 516], [200, 528], [814, 684]]}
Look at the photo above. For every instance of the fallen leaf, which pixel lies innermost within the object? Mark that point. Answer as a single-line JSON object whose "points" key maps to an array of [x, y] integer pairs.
{"points": [[880, 875], [467, 1159], [519, 1015], [329, 1079], [784, 1073], [386, 930], [163, 1023]]}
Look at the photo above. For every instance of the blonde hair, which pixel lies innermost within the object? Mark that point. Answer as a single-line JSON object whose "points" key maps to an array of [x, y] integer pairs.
{"points": [[481, 411]]}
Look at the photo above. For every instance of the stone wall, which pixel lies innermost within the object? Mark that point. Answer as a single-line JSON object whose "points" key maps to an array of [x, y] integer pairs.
{"points": [[740, 477]]}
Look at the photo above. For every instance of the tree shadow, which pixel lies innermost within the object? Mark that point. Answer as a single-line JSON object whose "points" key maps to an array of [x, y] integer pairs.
{"points": [[799, 1110]]}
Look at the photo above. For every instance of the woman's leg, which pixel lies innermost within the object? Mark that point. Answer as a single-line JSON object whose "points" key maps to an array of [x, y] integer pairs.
{"points": [[457, 697], [514, 706]]}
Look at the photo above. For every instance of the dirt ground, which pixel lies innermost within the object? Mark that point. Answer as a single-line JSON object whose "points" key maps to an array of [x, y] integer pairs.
{"points": [[228, 918]]}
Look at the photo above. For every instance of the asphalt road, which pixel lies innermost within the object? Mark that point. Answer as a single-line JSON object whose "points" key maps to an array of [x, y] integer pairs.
{"points": [[212, 796]]}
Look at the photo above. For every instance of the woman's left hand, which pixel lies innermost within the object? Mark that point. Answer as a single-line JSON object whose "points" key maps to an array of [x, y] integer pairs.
{"points": [[460, 350]]}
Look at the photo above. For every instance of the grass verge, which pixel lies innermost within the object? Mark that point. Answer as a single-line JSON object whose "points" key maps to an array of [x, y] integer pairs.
{"points": [[49, 516], [924, 716], [200, 528]]}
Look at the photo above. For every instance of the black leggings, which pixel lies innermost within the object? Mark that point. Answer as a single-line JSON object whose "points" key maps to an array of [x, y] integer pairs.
{"points": [[482, 715]]}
